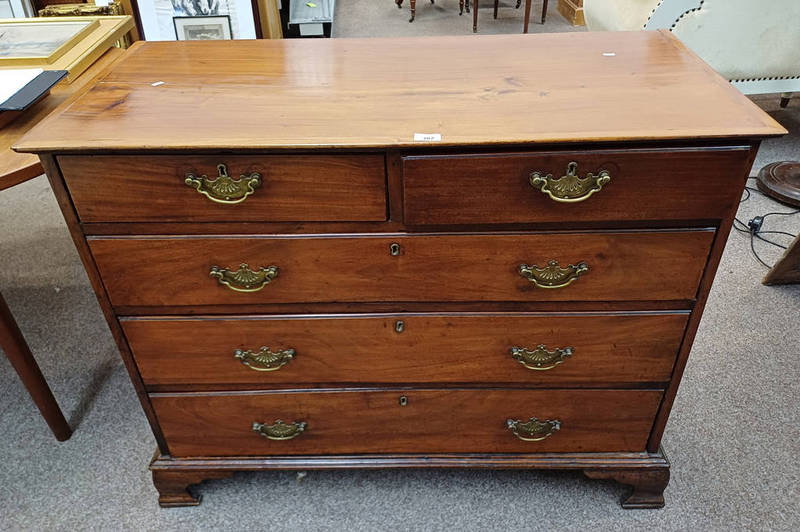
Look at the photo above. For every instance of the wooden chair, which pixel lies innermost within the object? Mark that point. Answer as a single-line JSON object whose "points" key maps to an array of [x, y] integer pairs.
{"points": [[413, 5], [497, 4]]}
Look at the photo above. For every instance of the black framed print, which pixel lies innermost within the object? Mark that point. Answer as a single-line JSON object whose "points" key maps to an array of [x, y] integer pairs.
{"points": [[203, 28]]}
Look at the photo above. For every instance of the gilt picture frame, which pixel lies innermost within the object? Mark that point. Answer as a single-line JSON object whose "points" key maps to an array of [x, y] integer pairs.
{"points": [[46, 48], [34, 41]]}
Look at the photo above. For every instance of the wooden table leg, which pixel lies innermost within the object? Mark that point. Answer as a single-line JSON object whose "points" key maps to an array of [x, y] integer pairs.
{"points": [[527, 15], [787, 269], [544, 11], [496, 5], [413, 5], [19, 354], [475, 16]]}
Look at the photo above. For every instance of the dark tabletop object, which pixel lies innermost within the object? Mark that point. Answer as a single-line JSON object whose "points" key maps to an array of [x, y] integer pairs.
{"points": [[33, 91]]}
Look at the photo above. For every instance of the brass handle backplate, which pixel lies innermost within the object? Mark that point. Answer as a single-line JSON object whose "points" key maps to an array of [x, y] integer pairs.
{"points": [[540, 358], [224, 188], [533, 429], [265, 359], [244, 279], [570, 188], [553, 275], [280, 430]]}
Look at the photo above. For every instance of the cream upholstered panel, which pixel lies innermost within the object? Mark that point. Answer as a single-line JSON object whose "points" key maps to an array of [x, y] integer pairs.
{"points": [[756, 44], [616, 15], [743, 39]]}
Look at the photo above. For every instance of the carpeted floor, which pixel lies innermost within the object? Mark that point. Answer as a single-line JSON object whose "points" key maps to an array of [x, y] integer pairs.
{"points": [[733, 436], [381, 18]]}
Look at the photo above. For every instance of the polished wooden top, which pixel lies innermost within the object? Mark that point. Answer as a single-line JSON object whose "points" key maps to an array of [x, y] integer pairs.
{"points": [[501, 89]]}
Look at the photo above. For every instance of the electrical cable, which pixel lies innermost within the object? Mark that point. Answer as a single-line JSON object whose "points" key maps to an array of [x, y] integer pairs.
{"points": [[754, 225]]}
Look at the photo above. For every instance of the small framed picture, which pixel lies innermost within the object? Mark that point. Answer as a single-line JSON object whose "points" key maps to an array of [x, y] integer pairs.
{"points": [[211, 28]]}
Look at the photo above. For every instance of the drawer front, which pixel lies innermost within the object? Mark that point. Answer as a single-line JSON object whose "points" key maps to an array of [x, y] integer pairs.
{"points": [[643, 185], [288, 188], [621, 266], [427, 421], [403, 349]]}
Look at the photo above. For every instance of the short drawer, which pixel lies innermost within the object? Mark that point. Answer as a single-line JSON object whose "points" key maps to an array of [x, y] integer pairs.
{"points": [[535, 349], [406, 421], [258, 188], [633, 185], [188, 271]]}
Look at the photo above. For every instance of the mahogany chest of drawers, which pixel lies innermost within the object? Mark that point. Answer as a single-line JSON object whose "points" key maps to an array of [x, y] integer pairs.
{"points": [[321, 255]]}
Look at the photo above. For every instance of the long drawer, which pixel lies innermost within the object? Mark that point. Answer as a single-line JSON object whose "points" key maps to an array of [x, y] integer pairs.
{"points": [[599, 266], [601, 185], [221, 188], [406, 421], [536, 349]]}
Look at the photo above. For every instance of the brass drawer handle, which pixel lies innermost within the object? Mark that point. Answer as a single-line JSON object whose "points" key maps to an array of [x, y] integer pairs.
{"points": [[280, 430], [570, 188], [540, 359], [265, 359], [244, 279], [533, 429], [224, 188], [553, 275]]}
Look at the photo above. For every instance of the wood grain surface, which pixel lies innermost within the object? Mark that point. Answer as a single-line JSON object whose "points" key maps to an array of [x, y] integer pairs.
{"points": [[432, 421], [645, 185], [79, 239], [335, 123], [151, 188], [622, 266], [692, 327], [611, 348], [300, 93]]}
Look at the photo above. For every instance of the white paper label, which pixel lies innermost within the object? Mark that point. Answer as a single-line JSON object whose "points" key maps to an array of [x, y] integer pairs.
{"points": [[311, 29], [102, 2], [427, 137]]}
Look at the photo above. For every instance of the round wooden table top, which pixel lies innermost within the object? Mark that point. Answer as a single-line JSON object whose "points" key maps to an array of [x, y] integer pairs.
{"points": [[781, 181]]}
